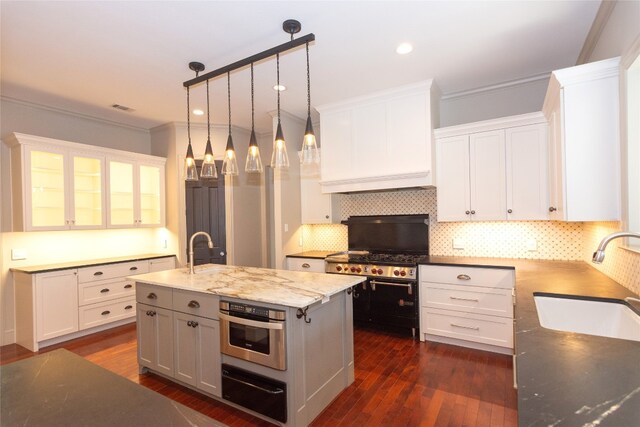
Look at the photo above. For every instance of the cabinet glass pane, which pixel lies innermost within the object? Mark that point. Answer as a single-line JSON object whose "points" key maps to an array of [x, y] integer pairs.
{"points": [[87, 191], [47, 189], [121, 193], [150, 194]]}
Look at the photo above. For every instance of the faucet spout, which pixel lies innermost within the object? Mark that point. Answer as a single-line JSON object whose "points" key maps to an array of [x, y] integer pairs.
{"points": [[193, 236], [598, 255]]}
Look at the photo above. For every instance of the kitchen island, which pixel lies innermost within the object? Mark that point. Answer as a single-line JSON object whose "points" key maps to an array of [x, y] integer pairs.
{"points": [[182, 335]]}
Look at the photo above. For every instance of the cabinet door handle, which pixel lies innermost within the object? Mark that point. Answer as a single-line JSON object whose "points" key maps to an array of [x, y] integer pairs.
{"points": [[151, 313], [128, 286], [473, 212], [552, 209], [104, 291], [98, 273], [193, 304], [129, 307], [104, 313], [467, 212], [464, 277], [509, 210], [306, 265], [133, 268], [464, 299], [152, 296], [473, 328], [326, 216], [194, 324]]}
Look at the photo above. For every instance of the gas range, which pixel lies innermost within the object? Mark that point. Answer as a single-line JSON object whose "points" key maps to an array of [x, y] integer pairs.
{"points": [[392, 266]]}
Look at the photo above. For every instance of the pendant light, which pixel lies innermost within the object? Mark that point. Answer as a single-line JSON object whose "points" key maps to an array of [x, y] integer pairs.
{"points": [[229, 164], [208, 170], [279, 158], [309, 147], [191, 173], [254, 163]]}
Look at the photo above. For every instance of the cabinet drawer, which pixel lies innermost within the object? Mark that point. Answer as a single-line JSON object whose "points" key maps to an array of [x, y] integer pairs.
{"points": [[112, 271], [197, 303], [161, 264], [474, 276], [472, 299], [105, 290], [479, 328], [106, 312], [306, 264], [157, 296]]}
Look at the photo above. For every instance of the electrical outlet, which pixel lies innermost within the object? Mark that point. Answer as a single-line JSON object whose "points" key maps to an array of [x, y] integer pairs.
{"points": [[164, 244], [18, 254], [532, 245], [286, 228], [458, 243]]}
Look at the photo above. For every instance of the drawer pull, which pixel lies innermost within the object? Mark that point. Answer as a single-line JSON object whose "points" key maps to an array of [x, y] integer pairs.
{"points": [[464, 277], [129, 307], [306, 265], [193, 304], [133, 268], [128, 286], [152, 296], [104, 291], [98, 273], [465, 299], [473, 328], [151, 313], [104, 313]]}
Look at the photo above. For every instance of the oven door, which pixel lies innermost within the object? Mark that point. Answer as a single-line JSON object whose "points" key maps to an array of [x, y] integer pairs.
{"points": [[257, 341], [394, 302], [361, 302]]}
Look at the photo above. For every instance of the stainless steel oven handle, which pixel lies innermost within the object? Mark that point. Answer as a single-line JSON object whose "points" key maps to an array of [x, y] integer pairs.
{"points": [[249, 322], [405, 285], [278, 391]]}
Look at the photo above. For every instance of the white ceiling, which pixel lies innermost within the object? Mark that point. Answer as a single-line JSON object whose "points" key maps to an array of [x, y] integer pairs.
{"points": [[84, 56]]}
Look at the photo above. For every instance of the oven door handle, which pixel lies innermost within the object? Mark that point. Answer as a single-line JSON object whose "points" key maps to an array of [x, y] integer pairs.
{"points": [[249, 322], [402, 285], [276, 391]]}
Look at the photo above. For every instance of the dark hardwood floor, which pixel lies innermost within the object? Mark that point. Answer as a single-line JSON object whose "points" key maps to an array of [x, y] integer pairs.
{"points": [[398, 382]]}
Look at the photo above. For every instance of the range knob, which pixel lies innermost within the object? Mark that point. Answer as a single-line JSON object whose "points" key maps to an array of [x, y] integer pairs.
{"points": [[358, 270], [396, 273], [339, 268], [379, 271], [403, 273], [353, 269]]}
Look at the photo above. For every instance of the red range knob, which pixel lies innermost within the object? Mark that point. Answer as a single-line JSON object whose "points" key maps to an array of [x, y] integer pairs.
{"points": [[353, 269], [403, 273], [379, 271], [339, 268], [396, 272], [358, 269]]}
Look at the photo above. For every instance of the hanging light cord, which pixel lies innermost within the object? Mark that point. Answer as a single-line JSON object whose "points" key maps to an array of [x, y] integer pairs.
{"points": [[208, 116], [308, 84], [278, 82], [229, 98], [188, 117], [252, 112]]}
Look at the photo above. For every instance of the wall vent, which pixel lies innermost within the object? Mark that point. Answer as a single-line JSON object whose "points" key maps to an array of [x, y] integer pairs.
{"points": [[123, 108]]}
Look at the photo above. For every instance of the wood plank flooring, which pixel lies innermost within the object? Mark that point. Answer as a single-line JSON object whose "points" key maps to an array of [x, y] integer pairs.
{"points": [[398, 382]]}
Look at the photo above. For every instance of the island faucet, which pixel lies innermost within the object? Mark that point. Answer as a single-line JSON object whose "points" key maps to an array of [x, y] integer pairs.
{"points": [[598, 255], [193, 236]]}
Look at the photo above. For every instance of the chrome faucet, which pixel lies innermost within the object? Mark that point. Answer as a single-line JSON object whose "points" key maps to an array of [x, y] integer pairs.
{"points": [[193, 236], [598, 255]]}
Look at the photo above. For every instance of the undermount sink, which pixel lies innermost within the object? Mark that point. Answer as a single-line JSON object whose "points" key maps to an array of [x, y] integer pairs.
{"points": [[208, 268], [605, 318]]}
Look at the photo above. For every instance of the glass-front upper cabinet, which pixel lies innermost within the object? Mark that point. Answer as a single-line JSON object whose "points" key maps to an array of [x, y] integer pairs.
{"points": [[151, 195], [121, 198], [88, 192]]}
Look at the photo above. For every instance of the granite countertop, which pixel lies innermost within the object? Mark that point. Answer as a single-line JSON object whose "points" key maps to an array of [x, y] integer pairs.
{"points": [[567, 379], [59, 388], [86, 263], [282, 287], [312, 254]]}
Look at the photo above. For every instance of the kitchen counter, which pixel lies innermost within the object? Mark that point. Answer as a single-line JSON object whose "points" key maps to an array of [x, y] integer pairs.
{"points": [[60, 388], [282, 287], [312, 254], [86, 263]]}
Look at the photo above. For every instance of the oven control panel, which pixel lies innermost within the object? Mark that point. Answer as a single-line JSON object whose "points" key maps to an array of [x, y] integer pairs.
{"points": [[372, 270]]}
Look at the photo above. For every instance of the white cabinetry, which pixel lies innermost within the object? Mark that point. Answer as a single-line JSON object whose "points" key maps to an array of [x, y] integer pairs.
{"points": [[316, 207], [155, 338], [467, 306], [56, 307], [582, 107], [379, 141], [493, 170], [161, 264], [315, 265]]}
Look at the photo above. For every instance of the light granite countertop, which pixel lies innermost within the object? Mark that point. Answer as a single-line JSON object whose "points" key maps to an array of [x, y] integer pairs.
{"points": [[282, 287]]}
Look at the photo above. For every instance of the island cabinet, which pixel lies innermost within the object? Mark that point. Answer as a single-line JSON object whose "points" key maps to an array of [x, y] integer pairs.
{"points": [[379, 141], [493, 170], [582, 107], [468, 306], [58, 304]]}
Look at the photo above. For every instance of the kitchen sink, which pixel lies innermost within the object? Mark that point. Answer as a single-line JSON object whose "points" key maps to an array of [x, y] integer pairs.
{"points": [[592, 316], [208, 268]]}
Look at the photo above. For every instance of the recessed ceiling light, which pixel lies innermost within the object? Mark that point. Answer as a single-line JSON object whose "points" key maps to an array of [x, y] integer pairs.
{"points": [[197, 112], [279, 87], [404, 48]]}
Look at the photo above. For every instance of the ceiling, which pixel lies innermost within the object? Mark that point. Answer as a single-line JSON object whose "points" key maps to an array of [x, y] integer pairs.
{"points": [[84, 56]]}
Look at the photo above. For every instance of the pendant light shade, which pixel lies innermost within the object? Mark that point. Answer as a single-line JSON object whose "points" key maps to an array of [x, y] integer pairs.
{"points": [[230, 163], [254, 162], [208, 170], [309, 147], [190, 171], [279, 157]]}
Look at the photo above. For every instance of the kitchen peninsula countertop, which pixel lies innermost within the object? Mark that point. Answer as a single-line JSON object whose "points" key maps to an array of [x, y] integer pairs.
{"points": [[282, 287], [86, 263]]}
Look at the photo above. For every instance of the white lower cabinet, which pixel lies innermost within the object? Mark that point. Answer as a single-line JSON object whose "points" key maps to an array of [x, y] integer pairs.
{"points": [[56, 304], [467, 306], [315, 265], [155, 338]]}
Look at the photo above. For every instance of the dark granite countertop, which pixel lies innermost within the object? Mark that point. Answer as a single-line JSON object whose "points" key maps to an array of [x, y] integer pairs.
{"points": [[86, 263], [59, 388], [567, 379], [312, 254]]}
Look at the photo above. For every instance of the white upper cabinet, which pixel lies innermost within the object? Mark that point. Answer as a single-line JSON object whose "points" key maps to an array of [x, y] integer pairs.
{"points": [[493, 170], [59, 185], [316, 207], [379, 141], [582, 107]]}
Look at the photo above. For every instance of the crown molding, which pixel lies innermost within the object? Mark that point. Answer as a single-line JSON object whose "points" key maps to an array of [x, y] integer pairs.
{"points": [[599, 22], [490, 88]]}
